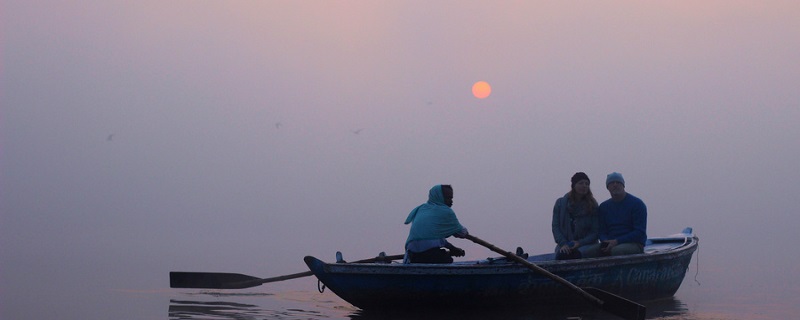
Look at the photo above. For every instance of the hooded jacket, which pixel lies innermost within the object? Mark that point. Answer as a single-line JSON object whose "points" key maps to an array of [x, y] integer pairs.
{"points": [[433, 219]]}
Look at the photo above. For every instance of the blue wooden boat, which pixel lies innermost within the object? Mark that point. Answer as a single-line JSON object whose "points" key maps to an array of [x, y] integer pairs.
{"points": [[494, 282]]}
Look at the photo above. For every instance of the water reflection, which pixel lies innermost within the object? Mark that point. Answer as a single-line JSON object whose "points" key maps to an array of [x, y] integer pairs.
{"points": [[661, 309], [564, 312], [184, 309], [306, 305], [179, 309], [232, 306], [666, 308]]}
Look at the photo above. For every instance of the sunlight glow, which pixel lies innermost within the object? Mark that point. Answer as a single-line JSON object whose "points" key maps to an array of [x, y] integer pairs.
{"points": [[481, 89]]}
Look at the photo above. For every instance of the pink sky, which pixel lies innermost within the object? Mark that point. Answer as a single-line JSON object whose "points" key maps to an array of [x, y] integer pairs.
{"points": [[238, 119]]}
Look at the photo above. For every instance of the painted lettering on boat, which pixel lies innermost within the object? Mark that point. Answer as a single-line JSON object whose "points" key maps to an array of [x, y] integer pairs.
{"points": [[621, 277], [588, 279], [536, 283], [637, 276]]}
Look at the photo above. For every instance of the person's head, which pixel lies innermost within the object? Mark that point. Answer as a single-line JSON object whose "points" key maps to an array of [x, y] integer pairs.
{"points": [[580, 183], [615, 185], [580, 191], [447, 191]]}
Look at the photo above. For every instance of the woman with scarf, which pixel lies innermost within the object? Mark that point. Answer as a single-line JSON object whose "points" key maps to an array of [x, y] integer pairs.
{"points": [[575, 222]]}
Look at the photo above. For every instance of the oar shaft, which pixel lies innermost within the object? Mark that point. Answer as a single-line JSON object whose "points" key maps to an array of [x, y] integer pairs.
{"points": [[253, 283], [536, 268], [309, 273], [217, 280]]}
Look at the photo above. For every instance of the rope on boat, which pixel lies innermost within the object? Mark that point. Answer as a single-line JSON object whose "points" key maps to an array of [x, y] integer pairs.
{"points": [[320, 286], [697, 265]]}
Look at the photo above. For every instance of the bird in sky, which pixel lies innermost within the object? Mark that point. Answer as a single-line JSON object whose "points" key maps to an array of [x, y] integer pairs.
{"points": [[278, 125], [357, 131], [110, 137]]}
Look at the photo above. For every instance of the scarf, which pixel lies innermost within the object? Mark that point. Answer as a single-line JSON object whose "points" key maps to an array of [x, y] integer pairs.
{"points": [[433, 219]]}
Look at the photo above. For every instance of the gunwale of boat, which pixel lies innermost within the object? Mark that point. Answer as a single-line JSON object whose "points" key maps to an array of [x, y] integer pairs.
{"points": [[500, 266]]}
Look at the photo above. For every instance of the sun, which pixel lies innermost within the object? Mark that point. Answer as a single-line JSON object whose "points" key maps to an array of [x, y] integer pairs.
{"points": [[481, 89]]}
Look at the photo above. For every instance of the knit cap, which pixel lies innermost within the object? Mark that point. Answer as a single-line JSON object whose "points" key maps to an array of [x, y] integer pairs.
{"points": [[615, 176], [578, 177]]}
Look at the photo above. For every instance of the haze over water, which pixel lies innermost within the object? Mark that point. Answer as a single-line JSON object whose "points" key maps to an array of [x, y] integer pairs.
{"points": [[138, 138]]}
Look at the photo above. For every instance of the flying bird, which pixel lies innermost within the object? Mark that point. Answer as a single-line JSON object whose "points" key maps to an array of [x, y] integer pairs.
{"points": [[357, 131], [110, 137], [278, 125]]}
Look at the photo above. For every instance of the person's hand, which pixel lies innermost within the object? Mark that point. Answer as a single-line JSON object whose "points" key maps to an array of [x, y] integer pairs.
{"points": [[457, 252], [565, 249], [608, 245]]}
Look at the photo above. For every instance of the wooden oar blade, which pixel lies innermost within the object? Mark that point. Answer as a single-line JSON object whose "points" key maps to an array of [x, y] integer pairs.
{"points": [[211, 280], [617, 305]]}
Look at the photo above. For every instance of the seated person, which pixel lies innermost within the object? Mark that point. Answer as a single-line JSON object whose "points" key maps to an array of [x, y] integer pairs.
{"points": [[623, 220], [431, 223], [575, 221]]}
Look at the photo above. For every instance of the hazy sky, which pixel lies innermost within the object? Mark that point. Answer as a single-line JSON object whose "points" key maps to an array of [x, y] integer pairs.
{"points": [[149, 136]]}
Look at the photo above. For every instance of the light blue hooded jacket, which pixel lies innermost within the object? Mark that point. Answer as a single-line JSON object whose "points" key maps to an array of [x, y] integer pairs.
{"points": [[433, 219]]}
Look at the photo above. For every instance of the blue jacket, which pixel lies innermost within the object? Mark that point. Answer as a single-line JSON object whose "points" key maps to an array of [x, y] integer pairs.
{"points": [[625, 221]]}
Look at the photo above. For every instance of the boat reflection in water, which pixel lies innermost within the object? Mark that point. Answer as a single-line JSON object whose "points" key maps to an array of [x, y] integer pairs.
{"points": [[184, 309], [669, 308], [663, 309], [232, 308], [239, 306]]}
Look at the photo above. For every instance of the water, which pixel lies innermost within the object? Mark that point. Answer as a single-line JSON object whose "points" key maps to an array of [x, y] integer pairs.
{"points": [[718, 296], [217, 305], [209, 305], [95, 280], [310, 304], [711, 290], [717, 285]]}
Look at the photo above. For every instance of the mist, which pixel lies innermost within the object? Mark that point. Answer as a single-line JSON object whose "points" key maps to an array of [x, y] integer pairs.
{"points": [[145, 137]]}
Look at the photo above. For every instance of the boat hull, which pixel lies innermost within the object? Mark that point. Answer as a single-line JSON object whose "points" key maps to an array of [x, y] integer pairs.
{"points": [[497, 282]]}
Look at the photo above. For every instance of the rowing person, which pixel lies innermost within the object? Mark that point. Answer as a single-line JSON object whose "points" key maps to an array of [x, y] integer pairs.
{"points": [[431, 224]]}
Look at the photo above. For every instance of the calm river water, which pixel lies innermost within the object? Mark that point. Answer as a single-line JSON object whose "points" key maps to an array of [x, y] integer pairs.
{"points": [[719, 284], [693, 301], [704, 295]]}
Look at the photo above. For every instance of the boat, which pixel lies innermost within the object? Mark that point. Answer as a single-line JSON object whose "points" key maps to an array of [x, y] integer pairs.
{"points": [[498, 282]]}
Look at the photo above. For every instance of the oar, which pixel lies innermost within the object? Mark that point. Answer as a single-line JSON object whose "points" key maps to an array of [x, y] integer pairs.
{"points": [[610, 302], [220, 280]]}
